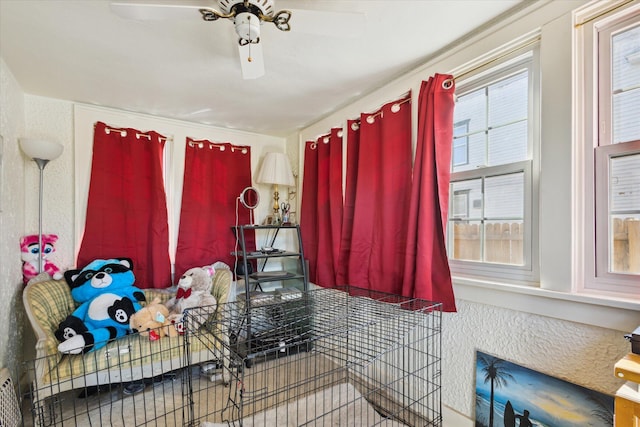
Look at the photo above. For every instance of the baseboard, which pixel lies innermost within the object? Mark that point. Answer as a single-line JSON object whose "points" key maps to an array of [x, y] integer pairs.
{"points": [[452, 418]]}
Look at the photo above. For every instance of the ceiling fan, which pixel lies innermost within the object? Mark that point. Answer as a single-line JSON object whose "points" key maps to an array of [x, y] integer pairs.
{"points": [[247, 16]]}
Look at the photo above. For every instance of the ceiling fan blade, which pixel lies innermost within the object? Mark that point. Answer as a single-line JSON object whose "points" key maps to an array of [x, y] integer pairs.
{"points": [[155, 11], [328, 23], [251, 60]]}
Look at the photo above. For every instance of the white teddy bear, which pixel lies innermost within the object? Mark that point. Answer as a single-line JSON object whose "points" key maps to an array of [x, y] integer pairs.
{"points": [[194, 290]]}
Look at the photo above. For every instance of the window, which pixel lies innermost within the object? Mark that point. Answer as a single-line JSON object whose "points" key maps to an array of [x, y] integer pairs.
{"points": [[491, 221], [460, 204], [610, 60], [461, 143]]}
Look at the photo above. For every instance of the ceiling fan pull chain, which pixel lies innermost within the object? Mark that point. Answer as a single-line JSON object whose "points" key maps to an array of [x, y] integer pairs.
{"points": [[249, 58]]}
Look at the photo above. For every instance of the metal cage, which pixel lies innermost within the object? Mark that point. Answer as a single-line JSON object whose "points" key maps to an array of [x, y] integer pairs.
{"points": [[345, 356]]}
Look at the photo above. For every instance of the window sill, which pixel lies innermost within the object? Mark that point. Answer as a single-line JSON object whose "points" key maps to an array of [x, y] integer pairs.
{"points": [[612, 313]]}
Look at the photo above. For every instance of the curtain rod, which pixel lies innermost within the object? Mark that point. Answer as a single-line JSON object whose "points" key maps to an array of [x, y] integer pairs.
{"points": [[139, 134], [200, 143], [496, 59], [604, 12], [404, 98]]}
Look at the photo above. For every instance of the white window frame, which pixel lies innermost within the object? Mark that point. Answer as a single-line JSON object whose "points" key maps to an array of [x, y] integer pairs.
{"points": [[594, 149], [604, 279], [527, 274]]}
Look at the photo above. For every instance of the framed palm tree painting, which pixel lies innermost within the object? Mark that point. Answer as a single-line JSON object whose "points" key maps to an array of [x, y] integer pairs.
{"points": [[511, 395]]}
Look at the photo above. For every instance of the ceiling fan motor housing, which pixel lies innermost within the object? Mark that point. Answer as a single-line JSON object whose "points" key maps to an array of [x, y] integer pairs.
{"points": [[253, 6], [247, 16]]}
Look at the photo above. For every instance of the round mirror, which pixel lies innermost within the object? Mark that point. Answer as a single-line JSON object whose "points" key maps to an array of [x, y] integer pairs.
{"points": [[250, 198]]}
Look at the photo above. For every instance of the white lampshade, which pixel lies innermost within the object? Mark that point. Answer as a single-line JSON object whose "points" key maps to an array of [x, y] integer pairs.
{"points": [[276, 170], [41, 148]]}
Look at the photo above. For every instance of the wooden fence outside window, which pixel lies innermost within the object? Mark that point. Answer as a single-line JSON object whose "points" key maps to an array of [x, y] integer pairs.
{"points": [[626, 245], [504, 244]]}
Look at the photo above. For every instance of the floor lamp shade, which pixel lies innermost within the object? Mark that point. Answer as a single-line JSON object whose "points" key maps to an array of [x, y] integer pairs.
{"points": [[40, 151], [41, 148]]}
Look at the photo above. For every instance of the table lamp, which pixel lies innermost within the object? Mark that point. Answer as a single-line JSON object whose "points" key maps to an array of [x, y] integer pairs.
{"points": [[276, 170]]}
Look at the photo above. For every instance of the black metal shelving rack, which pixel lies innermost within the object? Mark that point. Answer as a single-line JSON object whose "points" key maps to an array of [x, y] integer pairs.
{"points": [[257, 324]]}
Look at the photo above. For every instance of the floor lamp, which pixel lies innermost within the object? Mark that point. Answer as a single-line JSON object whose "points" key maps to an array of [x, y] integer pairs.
{"points": [[40, 151]]}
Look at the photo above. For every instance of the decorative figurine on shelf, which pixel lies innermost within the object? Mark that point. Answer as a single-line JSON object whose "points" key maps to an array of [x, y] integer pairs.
{"points": [[30, 254], [286, 208]]}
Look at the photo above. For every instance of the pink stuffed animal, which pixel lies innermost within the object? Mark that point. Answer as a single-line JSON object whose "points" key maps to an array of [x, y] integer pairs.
{"points": [[29, 248]]}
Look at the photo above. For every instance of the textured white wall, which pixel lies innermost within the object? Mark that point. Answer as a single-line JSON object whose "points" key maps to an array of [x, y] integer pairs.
{"points": [[12, 171], [572, 351], [51, 119]]}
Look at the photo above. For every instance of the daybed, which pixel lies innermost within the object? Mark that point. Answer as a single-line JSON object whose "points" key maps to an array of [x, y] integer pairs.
{"points": [[130, 358]]}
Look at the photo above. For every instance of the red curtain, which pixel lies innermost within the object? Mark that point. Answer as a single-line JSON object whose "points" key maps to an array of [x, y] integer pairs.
{"points": [[381, 202], [351, 179], [126, 207], [427, 273], [214, 176], [321, 210], [309, 208]]}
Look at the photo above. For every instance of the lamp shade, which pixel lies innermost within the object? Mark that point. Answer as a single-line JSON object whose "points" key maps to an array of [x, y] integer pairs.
{"points": [[41, 148], [276, 170]]}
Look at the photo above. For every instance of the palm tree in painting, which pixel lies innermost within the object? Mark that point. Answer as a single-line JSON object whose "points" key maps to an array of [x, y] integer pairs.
{"points": [[602, 410], [494, 371]]}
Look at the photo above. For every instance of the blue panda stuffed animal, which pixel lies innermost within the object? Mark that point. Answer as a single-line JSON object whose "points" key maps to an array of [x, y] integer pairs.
{"points": [[104, 289]]}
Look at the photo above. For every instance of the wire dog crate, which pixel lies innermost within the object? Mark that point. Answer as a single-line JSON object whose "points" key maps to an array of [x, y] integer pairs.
{"points": [[131, 381], [347, 356]]}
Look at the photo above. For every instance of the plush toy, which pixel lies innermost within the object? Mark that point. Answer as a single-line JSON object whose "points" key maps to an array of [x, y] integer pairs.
{"points": [[104, 289], [194, 290], [176, 322], [153, 321], [30, 250]]}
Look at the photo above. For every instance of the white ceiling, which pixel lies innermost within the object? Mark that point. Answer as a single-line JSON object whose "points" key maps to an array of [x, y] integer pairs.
{"points": [[189, 69]]}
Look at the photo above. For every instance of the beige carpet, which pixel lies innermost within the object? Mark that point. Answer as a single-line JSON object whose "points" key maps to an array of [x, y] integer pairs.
{"points": [[302, 389], [160, 404], [340, 405]]}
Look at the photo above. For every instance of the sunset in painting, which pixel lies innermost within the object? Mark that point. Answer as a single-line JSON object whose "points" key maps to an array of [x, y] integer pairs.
{"points": [[526, 398]]}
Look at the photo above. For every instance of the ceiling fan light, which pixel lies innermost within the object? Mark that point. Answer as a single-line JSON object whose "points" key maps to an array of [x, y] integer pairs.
{"points": [[247, 26]]}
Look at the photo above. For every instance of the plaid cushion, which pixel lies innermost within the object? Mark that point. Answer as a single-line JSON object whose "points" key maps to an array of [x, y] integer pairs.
{"points": [[48, 303], [125, 358], [221, 285]]}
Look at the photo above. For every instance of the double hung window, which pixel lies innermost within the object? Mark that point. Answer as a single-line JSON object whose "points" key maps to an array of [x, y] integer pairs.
{"points": [[610, 148], [491, 224]]}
